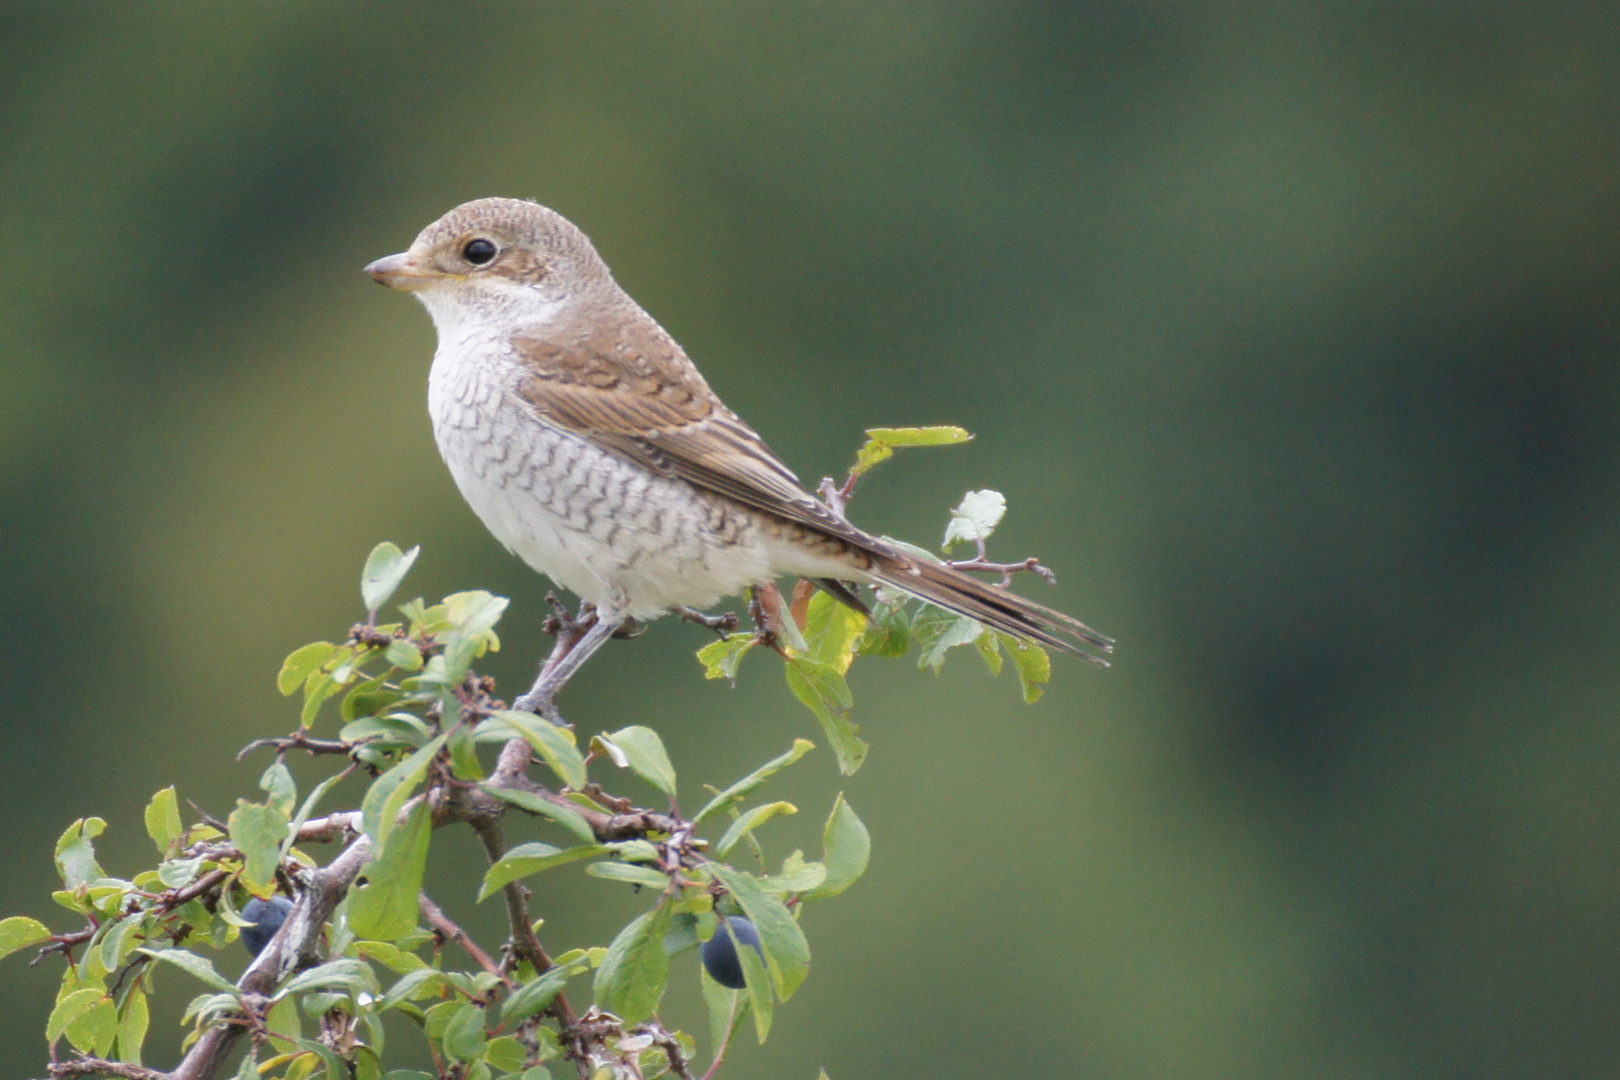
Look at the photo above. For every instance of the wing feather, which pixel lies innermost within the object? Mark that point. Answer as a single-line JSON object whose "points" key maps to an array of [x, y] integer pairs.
{"points": [[633, 391]]}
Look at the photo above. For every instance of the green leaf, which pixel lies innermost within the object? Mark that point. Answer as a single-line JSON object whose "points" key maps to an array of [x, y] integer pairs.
{"points": [[723, 1007], [395, 729], [1033, 665], [19, 932], [555, 745], [386, 567], [345, 974], [975, 518], [414, 984], [937, 630], [320, 689], [122, 939], [989, 646], [464, 1038], [474, 612], [368, 698], [721, 658], [824, 692], [404, 655], [195, 966], [535, 994], [301, 664], [633, 873], [785, 947], [754, 780], [379, 810], [336, 1068], [163, 819], [389, 955], [279, 788], [133, 1023], [76, 854], [304, 811], [631, 980], [506, 1054], [888, 632], [846, 847], [569, 819], [70, 1008], [797, 876], [832, 631], [384, 907], [750, 821], [464, 763], [881, 443], [642, 751], [531, 858], [757, 985], [258, 831], [96, 1029]]}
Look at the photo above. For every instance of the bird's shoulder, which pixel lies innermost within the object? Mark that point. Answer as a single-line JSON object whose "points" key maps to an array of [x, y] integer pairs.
{"points": [[624, 383]]}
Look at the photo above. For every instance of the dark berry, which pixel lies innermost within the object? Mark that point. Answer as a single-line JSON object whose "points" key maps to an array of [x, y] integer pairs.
{"points": [[720, 954], [266, 917]]}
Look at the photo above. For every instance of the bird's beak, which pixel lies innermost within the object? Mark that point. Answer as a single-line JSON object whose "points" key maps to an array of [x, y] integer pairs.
{"points": [[402, 272]]}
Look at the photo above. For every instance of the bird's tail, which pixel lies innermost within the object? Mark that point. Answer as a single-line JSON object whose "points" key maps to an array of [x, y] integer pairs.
{"points": [[955, 591]]}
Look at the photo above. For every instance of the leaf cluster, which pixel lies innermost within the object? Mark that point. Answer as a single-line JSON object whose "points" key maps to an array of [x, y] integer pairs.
{"points": [[399, 704]]}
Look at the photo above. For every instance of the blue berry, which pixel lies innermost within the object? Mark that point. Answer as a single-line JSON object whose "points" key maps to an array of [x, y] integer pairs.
{"points": [[266, 917], [720, 953]]}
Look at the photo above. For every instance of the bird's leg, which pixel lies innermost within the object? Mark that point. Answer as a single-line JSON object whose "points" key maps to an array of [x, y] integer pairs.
{"points": [[572, 650]]}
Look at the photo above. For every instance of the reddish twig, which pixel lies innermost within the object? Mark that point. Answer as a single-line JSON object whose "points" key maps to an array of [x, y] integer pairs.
{"points": [[447, 930]]}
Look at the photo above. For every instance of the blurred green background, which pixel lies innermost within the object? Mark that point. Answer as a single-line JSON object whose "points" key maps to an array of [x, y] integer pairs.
{"points": [[1289, 332]]}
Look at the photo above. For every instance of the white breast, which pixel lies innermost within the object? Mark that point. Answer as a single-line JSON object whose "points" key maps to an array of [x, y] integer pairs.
{"points": [[609, 531]]}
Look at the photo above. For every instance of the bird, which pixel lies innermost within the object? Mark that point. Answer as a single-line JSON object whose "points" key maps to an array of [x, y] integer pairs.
{"points": [[589, 444]]}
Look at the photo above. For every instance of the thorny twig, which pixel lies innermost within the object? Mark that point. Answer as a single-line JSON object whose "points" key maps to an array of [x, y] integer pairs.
{"points": [[447, 930]]}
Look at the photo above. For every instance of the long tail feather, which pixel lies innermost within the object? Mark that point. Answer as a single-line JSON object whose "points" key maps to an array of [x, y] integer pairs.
{"points": [[955, 591]]}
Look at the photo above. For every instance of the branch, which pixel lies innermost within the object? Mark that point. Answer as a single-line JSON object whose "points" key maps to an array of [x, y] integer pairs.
{"points": [[293, 946], [1006, 570], [94, 1066], [299, 740], [449, 931], [166, 902]]}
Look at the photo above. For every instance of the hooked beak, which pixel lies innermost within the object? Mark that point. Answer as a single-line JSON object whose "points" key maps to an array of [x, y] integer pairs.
{"points": [[402, 272]]}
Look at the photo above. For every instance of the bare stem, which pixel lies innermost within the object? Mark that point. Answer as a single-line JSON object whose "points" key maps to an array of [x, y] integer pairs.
{"points": [[449, 931], [1006, 570]]}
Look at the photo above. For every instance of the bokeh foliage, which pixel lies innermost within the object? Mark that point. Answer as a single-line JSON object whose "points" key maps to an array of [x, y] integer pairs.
{"points": [[1288, 332]]}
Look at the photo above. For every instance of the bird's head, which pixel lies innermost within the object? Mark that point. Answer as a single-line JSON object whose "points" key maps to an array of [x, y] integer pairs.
{"points": [[490, 257]]}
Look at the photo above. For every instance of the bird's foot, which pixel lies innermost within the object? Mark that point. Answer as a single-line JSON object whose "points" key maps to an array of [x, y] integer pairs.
{"points": [[722, 624]]}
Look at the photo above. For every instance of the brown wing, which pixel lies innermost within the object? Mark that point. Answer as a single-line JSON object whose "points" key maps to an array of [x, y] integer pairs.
{"points": [[632, 390]]}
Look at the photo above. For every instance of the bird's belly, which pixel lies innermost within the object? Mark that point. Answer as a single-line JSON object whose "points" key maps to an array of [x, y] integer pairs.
{"points": [[611, 532]]}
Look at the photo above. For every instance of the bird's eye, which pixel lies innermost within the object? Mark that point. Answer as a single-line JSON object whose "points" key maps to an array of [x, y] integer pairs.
{"points": [[479, 251]]}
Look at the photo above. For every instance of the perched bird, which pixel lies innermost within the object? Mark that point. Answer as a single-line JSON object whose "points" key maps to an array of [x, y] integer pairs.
{"points": [[592, 448]]}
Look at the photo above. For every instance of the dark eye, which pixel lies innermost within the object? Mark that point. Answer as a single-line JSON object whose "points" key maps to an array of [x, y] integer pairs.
{"points": [[478, 252]]}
